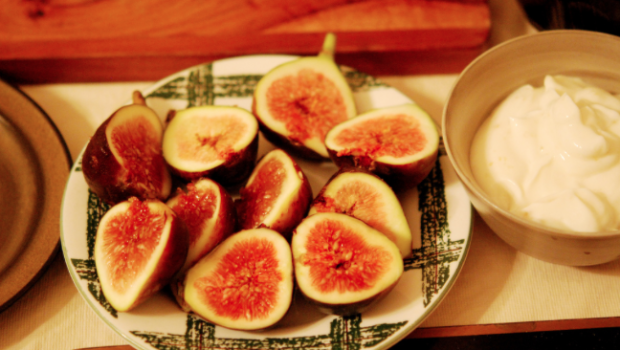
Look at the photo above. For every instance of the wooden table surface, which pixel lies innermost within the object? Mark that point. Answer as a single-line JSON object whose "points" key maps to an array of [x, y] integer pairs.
{"points": [[498, 291]]}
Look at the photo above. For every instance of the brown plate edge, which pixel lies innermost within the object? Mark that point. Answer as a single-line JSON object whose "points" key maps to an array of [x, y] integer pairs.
{"points": [[48, 145]]}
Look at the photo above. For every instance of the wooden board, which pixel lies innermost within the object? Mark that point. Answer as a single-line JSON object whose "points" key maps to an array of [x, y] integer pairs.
{"points": [[124, 40], [516, 327]]}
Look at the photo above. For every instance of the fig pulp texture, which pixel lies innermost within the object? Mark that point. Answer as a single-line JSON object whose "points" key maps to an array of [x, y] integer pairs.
{"points": [[219, 142], [342, 264], [124, 157], [139, 247], [297, 102], [244, 283], [367, 197], [209, 214], [400, 144], [277, 195]]}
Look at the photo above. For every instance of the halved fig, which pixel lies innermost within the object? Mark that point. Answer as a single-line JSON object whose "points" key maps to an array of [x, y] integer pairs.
{"points": [[400, 144], [245, 283], [219, 142], [367, 197], [124, 157], [209, 214], [277, 195], [297, 102], [342, 264], [139, 247]]}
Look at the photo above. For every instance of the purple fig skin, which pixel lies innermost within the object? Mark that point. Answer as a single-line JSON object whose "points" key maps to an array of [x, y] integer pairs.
{"points": [[290, 216], [291, 147], [100, 168], [230, 173], [400, 177], [293, 215], [322, 202], [171, 261], [320, 197], [330, 286], [103, 173], [225, 224], [347, 169], [232, 256], [345, 309], [309, 85]]}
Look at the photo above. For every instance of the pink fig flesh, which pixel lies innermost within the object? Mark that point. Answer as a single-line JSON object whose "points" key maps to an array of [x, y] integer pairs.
{"points": [[219, 142], [245, 283], [124, 158], [296, 103], [399, 144], [367, 197], [139, 247], [342, 264], [208, 212], [277, 195]]}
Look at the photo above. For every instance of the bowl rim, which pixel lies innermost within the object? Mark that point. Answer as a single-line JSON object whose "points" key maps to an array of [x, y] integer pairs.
{"points": [[473, 188]]}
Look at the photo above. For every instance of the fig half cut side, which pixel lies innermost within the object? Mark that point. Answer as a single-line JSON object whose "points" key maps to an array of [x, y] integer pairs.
{"points": [[219, 142], [244, 283], [296, 103], [342, 264], [139, 247], [276, 196], [124, 157], [367, 197], [399, 143], [207, 210]]}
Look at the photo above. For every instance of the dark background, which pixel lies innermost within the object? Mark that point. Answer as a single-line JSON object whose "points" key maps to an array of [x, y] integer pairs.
{"points": [[590, 339], [595, 15]]}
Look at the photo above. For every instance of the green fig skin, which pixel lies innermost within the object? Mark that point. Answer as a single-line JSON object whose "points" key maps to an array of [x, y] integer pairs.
{"points": [[328, 102]]}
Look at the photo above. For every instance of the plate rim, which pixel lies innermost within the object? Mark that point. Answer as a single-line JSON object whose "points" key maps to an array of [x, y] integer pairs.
{"points": [[35, 257]]}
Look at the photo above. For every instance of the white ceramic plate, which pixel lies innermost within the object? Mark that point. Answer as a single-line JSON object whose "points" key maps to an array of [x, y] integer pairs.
{"points": [[439, 213]]}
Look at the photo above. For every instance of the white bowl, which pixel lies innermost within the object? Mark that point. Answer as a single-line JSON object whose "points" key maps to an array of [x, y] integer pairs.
{"points": [[484, 83]]}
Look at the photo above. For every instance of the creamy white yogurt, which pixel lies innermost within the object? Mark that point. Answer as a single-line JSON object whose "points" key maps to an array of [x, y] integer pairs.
{"points": [[551, 154]]}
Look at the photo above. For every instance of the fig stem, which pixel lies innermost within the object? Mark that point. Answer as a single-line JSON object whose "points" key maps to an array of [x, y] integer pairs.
{"points": [[170, 115], [329, 46], [137, 98]]}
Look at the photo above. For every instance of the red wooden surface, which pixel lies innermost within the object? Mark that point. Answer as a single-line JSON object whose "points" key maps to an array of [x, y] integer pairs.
{"points": [[472, 330], [125, 40], [517, 327]]}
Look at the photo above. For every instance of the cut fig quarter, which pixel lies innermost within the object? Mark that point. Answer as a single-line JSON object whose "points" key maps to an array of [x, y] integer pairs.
{"points": [[277, 194], [207, 210], [342, 264], [297, 102], [219, 142], [139, 247], [367, 197], [124, 157], [399, 143], [244, 283]]}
